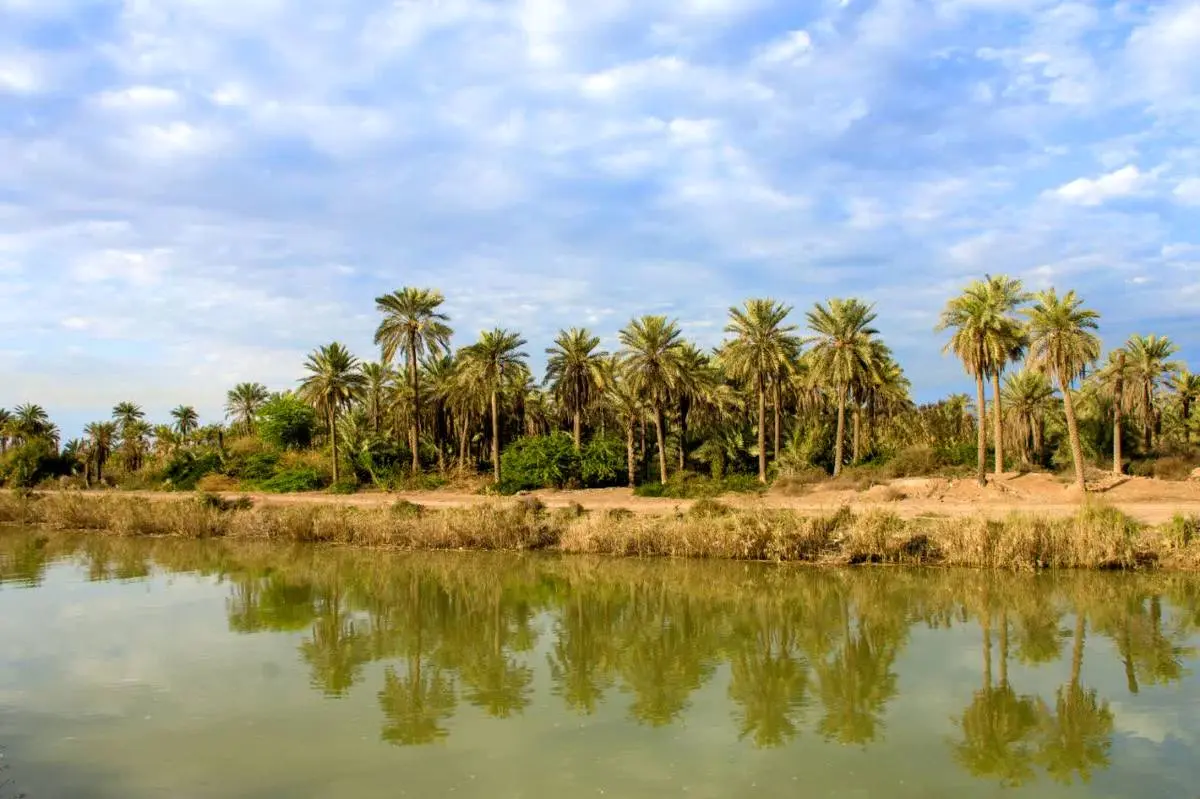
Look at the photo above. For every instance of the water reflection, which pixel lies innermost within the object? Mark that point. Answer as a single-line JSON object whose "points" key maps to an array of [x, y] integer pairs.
{"points": [[803, 652]]}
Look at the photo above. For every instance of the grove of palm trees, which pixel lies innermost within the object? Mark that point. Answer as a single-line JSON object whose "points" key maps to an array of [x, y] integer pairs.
{"points": [[789, 397]]}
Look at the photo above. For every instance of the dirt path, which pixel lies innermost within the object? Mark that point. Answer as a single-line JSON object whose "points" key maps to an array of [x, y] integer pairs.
{"points": [[1150, 501]]}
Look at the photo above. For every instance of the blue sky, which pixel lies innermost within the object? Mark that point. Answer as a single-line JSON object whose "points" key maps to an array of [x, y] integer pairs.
{"points": [[197, 192]]}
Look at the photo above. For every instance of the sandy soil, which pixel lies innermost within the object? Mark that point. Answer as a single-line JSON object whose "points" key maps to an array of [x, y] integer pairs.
{"points": [[1151, 501]]}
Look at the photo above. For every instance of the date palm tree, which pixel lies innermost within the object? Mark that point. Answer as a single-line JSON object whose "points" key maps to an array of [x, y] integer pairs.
{"points": [[242, 403], [412, 322], [1187, 388], [575, 373], [1150, 364], [6, 419], [842, 354], [30, 421], [334, 382], [490, 364], [123, 413], [650, 358], [166, 440], [1006, 342], [1028, 396], [186, 420], [761, 347], [1113, 380], [379, 377], [1062, 344], [623, 401], [100, 437], [697, 379]]}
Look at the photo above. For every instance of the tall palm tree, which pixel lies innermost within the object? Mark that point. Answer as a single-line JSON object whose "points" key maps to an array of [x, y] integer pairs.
{"points": [[186, 420], [126, 412], [1187, 388], [378, 378], [1006, 342], [30, 421], [166, 440], [6, 420], [490, 362], [101, 437], [1061, 343], [412, 322], [1149, 362], [760, 350], [626, 405], [650, 357], [1027, 396], [575, 373], [842, 354], [334, 382], [242, 403], [1113, 379], [696, 380]]}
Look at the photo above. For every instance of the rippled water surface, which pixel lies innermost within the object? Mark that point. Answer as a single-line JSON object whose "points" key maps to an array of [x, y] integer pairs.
{"points": [[189, 669]]}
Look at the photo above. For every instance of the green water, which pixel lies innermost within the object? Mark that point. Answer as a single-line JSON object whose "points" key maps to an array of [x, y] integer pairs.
{"points": [[187, 669]]}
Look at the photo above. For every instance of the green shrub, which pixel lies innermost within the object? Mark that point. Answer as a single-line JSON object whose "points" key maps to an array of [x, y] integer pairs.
{"points": [[287, 422], [1182, 530], [186, 468], [31, 463], [403, 509], [602, 463], [291, 481], [344, 485], [256, 467], [539, 462]]}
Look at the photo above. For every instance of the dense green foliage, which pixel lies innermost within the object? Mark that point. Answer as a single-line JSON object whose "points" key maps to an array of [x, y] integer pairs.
{"points": [[287, 422]]}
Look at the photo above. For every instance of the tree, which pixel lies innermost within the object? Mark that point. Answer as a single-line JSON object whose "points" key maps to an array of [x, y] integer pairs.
{"points": [[125, 412], [100, 439], [650, 359], [335, 381], [6, 429], [575, 373], [695, 384], [1062, 344], [1113, 379], [761, 348], [490, 363], [1187, 388], [29, 422], [1006, 342], [1028, 396], [378, 377], [411, 321], [1149, 365], [842, 354], [243, 402], [626, 405], [186, 420], [286, 421]]}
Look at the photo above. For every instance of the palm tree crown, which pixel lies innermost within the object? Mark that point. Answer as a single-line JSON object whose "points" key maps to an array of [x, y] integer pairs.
{"points": [[186, 420], [491, 363], [334, 382], [575, 373], [650, 357], [243, 402], [842, 354]]}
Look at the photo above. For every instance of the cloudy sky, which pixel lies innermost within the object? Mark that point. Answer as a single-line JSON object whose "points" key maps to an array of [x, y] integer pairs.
{"points": [[197, 192]]}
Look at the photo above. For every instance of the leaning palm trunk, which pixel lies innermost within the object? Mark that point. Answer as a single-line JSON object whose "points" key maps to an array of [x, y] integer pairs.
{"points": [[839, 447], [415, 428], [997, 423], [762, 431], [630, 463], [496, 437], [1072, 429], [1148, 421], [660, 424], [981, 431], [1118, 400]]}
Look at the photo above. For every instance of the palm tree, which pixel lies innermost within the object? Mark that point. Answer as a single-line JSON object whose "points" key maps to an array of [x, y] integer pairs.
{"points": [[1062, 344], [760, 350], [243, 402], [335, 381], [378, 378], [575, 373], [697, 380], [1027, 396], [1006, 342], [1187, 387], [1149, 362], [166, 440], [650, 357], [1113, 379], [842, 354], [6, 420], [490, 362], [625, 403], [135, 443], [126, 412], [30, 421], [186, 420], [411, 321], [100, 439]]}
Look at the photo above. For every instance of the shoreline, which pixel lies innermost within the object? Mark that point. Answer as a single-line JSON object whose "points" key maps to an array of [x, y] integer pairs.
{"points": [[1093, 535]]}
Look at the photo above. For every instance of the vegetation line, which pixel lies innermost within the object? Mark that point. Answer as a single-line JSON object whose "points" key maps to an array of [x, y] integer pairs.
{"points": [[1098, 537]]}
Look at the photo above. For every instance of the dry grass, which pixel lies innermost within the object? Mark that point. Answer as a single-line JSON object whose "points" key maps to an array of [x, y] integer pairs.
{"points": [[1097, 537]]}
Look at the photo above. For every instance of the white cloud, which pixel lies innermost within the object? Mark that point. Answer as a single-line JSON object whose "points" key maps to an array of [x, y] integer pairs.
{"points": [[19, 75], [1124, 182], [1188, 191], [1162, 54], [791, 49], [136, 97]]}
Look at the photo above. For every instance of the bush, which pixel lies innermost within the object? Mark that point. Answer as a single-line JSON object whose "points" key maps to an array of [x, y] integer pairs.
{"points": [[216, 482], [539, 462], [602, 463], [290, 481], [186, 468], [917, 462], [31, 463], [286, 422], [344, 485], [255, 467], [707, 509]]}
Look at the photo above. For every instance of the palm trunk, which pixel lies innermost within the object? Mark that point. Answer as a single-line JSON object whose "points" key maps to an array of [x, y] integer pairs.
{"points": [[980, 431], [1072, 430], [997, 423], [1118, 401], [762, 431], [1148, 421], [1027, 436], [856, 435], [777, 401], [578, 430], [685, 406], [1039, 438], [1187, 418], [415, 426], [630, 465], [839, 447], [333, 442], [496, 437], [1077, 648], [660, 424], [462, 442]]}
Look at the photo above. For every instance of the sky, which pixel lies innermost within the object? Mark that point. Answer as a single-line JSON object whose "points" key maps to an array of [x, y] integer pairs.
{"points": [[195, 193]]}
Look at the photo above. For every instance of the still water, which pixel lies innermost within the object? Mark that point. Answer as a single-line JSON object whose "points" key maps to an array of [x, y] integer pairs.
{"points": [[191, 669]]}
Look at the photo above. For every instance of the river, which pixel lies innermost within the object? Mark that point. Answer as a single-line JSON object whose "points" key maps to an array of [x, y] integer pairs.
{"points": [[165, 668]]}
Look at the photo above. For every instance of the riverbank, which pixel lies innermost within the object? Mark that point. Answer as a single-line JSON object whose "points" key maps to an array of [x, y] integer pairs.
{"points": [[1095, 536]]}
